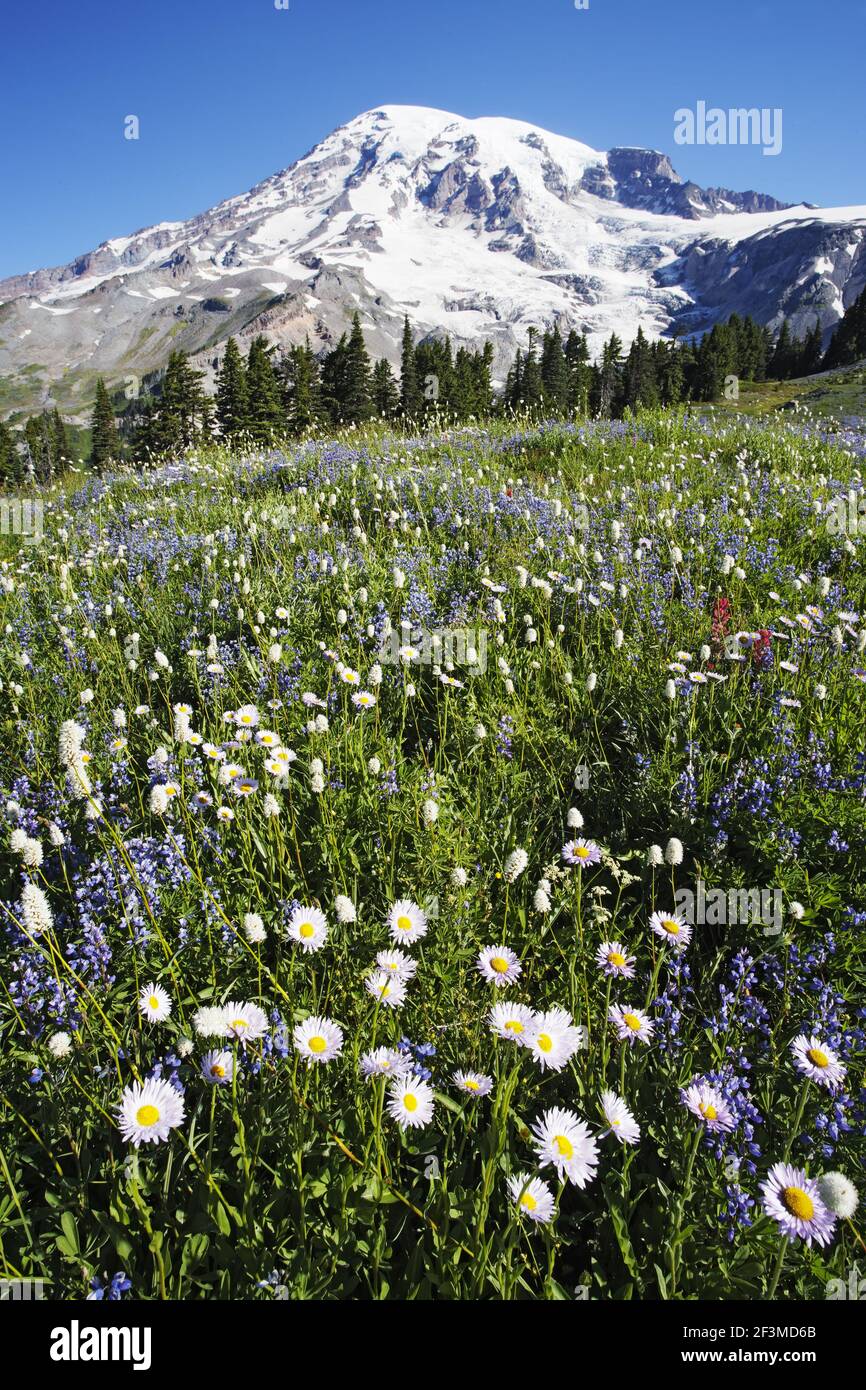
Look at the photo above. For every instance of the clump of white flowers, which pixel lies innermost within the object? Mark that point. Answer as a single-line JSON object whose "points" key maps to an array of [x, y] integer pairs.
{"points": [[515, 865]]}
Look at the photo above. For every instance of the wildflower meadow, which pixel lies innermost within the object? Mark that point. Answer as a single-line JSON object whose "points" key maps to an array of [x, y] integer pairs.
{"points": [[433, 868]]}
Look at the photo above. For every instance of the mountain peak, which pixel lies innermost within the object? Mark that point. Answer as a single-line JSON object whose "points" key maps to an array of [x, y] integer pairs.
{"points": [[478, 227]]}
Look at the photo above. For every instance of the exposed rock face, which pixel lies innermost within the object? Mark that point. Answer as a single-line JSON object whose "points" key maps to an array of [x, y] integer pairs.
{"points": [[482, 228]]}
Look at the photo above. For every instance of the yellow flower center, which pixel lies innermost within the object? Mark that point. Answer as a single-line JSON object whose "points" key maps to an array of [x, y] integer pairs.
{"points": [[317, 1044], [631, 1021], [670, 926], [147, 1115], [153, 1002], [819, 1058], [410, 1102], [471, 1085], [217, 1069], [528, 1201], [582, 852], [799, 1203], [404, 923], [709, 1112], [514, 1026], [616, 959], [565, 1146], [307, 930], [544, 1042], [239, 1024], [499, 964]]}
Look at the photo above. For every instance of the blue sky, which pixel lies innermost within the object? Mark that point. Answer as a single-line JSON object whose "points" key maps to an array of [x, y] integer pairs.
{"points": [[229, 91]]}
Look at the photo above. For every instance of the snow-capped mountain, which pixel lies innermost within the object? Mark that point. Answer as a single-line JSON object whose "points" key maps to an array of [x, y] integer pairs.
{"points": [[478, 228]]}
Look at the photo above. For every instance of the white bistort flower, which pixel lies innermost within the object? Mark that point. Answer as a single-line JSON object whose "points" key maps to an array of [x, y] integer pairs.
{"points": [[35, 910], [210, 1022], [838, 1194], [515, 865], [345, 909], [60, 1046], [254, 928]]}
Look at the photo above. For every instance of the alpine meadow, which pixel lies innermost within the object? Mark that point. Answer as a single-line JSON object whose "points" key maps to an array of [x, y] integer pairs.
{"points": [[432, 679]]}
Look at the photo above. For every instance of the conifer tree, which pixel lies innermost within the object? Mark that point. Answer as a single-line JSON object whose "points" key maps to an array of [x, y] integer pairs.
{"points": [[302, 389], [848, 343], [105, 441], [265, 419], [357, 403], [411, 399], [554, 373], [386, 395], [231, 392]]}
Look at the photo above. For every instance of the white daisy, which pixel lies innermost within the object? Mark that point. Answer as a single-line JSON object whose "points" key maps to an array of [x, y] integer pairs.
{"points": [[499, 965], [410, 1102], [309, 927], [621, 1122], [154, 1004], [386, 988], [632, 1025], [709, 1105], [553, 1039], [318, 1039], [532, 1197], [407, 922], [474, 1083], [613, 959], [217, 1068], [383, 1061], [397, 963], [512, 1021], [565, 1141], [244, 1021], [672, 928], [148, 1112], [817, 1061]]}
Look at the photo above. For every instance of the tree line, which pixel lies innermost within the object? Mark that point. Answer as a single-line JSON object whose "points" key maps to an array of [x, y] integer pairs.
{"points": [[270, 394]]}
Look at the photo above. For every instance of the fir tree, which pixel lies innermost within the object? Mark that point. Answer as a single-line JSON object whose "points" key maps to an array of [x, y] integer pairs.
{"points": [[386, 395], [411, 399], [357, 402], [554, 373], [265, 419], [231, 392], [105, 441], [302, 389]]}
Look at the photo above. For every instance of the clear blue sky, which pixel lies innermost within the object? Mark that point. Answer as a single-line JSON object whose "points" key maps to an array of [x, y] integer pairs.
{"points": [[229, 91]]}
